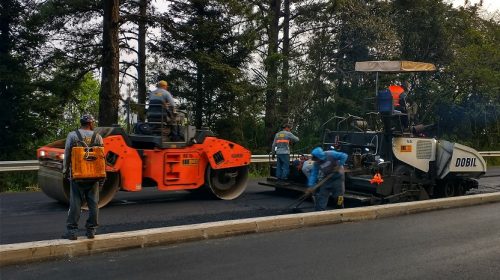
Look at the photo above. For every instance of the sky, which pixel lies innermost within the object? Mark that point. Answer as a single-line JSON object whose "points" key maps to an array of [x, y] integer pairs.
{"points": [[489, 5]]}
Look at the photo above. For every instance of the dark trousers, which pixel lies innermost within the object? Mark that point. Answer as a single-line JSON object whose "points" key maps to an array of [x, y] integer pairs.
{"points": [[79, 193], [282, 166], [335, 187]]}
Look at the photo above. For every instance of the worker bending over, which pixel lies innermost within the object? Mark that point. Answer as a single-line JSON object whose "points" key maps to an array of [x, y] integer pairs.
{"points": [[328, 162]]}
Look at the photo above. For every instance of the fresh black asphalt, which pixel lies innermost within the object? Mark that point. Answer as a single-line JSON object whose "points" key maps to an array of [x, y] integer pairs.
{"points": [[459, 243], [33, 216]]}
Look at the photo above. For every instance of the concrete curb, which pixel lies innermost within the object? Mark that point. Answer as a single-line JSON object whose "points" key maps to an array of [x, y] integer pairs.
{"points": [[52, 249]]}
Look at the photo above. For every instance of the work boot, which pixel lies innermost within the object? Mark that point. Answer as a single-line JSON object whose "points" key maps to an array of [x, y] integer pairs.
{"points": [[90, 234], [282, 182], [69, 235], [285, 181]]}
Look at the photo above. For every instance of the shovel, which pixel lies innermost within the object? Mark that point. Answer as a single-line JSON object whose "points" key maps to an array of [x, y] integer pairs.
{"points": [[303, 197]]}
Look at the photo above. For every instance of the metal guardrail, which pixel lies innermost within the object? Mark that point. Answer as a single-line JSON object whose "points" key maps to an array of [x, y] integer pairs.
{"points": [[261, 158], [27, 165], [21, 165], [490, 153]]}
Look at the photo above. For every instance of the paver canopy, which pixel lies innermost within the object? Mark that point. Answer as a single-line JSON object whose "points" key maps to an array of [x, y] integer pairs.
{"points": [[393, 66]]}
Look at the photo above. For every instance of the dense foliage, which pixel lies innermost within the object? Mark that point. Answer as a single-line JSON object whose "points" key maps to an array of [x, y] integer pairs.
{"points": [[243, 67]]}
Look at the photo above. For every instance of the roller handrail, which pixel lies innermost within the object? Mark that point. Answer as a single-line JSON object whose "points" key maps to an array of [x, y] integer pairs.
{"points": [[29, 165]]}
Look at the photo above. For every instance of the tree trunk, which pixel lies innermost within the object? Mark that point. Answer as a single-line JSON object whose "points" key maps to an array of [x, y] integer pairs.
{"points": [[272, 70], [286, 62], [109, 96], [7, 87], [141, 57], [6, 20], [198, 115]]}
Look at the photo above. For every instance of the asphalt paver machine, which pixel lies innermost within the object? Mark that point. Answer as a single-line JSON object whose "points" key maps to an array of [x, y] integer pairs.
{"points": [[390, 160]]}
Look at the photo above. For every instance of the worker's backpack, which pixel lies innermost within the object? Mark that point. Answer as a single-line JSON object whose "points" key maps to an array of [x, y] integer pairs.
{"points": [[87, 160]]}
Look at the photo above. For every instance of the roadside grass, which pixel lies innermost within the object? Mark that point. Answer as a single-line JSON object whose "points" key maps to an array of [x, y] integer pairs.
{"points": [[18, 181], [492, 161], [259, 170]]}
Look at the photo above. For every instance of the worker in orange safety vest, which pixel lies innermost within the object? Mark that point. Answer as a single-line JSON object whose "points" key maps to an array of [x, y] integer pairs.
{"points": [[281, 150]]}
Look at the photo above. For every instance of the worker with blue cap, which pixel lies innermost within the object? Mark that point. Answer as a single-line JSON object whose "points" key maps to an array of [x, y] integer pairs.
{"points": [[328, 162]]}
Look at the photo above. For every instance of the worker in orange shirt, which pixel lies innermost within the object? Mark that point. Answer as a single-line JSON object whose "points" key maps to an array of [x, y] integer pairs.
{"points": [[398, 97], [399, 101]]}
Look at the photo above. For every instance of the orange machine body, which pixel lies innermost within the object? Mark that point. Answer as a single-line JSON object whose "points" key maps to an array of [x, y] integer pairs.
{"points": [[135, 161], [171, 168]]}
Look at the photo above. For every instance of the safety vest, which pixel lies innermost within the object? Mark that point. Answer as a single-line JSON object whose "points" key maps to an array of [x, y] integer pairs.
{"points": [[396, 91], [282, 142]]}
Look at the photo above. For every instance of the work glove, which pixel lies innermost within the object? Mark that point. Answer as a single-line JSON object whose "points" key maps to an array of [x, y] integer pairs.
{"points": [[273, 155], [309, 191], [101, 184], [65, 174]]}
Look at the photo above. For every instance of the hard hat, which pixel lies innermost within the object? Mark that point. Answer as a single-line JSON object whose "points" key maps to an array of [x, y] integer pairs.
{"points": [[162, 83], [318, 153], [86, 118]]}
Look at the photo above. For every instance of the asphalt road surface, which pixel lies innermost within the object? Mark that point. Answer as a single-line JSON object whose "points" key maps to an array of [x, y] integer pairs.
{"points": [[460, 243], [34, 216]]}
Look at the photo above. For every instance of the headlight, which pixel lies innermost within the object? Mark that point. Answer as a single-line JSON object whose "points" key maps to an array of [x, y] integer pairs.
{"points": [[42, 153], [61, 156]]}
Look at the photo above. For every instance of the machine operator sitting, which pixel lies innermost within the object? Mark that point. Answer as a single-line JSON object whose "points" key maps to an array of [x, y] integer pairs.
{"points": [[161, 96]]}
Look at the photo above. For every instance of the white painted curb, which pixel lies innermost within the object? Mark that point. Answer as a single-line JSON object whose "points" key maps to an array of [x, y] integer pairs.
{"points": [[58, 248]]}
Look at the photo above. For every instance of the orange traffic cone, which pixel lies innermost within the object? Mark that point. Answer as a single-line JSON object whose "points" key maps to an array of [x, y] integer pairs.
{"points": [[377, 179]]}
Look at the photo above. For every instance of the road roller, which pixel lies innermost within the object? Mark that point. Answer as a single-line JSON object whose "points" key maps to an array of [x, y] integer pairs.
{"points": [[193, 160], [390, 158]]}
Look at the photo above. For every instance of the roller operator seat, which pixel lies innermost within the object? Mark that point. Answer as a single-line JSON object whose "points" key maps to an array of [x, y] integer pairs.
{"points": [[156, 113]]}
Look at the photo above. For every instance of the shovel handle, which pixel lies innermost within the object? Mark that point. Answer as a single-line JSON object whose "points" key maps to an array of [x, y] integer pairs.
{"points": [[306, 195], [320, 183]]}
